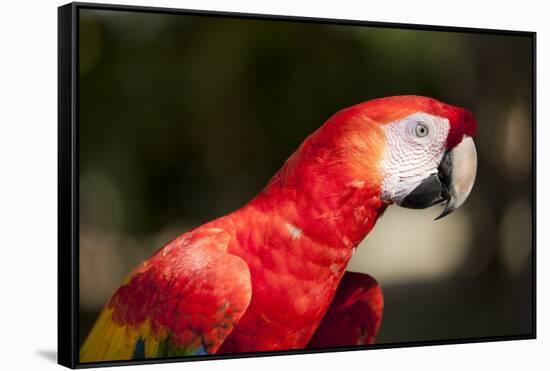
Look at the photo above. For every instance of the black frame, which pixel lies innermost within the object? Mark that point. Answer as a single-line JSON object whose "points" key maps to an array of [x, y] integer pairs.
{"points": [[68, 180]]}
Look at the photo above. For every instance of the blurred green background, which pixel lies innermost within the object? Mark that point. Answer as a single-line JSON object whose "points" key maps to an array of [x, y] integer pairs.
{"points": [[185, 118]]}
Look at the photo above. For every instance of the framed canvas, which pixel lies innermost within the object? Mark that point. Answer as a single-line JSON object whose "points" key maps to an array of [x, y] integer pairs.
{"points": [[237, 185]]}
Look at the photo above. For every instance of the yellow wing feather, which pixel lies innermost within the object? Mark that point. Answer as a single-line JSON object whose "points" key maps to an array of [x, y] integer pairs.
{"points": [[111, 342]]}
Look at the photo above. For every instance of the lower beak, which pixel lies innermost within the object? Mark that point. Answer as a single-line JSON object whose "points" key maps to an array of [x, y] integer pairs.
{"points": [[451, 185]]}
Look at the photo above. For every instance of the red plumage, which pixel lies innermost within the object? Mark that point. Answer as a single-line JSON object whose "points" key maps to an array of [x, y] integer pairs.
{"points": [[354, 315]]}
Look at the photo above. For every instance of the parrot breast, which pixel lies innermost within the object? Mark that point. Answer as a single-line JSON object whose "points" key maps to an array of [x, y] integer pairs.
{"points": [[296, 262]]}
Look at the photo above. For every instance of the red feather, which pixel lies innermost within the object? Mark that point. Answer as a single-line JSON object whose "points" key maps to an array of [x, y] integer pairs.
{"points": [[354, 315]]}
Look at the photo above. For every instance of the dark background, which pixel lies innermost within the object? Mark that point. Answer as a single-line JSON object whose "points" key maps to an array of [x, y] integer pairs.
{"points": [[185, 118]]}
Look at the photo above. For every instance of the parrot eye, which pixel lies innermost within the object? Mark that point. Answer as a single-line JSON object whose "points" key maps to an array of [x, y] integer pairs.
{"points": [[421, 130]]}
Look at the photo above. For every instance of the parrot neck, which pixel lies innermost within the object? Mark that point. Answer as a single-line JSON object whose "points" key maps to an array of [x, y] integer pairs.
{"points": [[297, 237], [322, 202]]}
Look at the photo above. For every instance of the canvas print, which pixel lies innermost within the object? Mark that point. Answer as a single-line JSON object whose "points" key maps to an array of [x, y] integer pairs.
{"points": [[250, 185]]}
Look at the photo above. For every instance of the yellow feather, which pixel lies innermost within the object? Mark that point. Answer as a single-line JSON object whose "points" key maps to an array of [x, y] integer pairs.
{"points": [[108, 341]]}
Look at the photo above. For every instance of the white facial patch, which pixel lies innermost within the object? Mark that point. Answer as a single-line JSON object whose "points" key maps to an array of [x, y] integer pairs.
{"points": [[416, 145]]}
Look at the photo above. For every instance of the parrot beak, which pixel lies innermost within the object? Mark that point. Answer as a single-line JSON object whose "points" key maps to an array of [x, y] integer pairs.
{"points": [[451, 185], [457, 172]]}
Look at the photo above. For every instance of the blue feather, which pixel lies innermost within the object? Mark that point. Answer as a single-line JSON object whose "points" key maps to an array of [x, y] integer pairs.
{"points": [[139, 350]]}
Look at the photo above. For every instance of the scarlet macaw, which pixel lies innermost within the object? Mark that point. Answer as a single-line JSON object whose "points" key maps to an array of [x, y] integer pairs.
{"points": [[272, 275]]}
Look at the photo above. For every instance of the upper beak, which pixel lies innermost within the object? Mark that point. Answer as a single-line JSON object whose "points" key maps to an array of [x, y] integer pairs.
{"points": [[457, 171], [451, 185]]}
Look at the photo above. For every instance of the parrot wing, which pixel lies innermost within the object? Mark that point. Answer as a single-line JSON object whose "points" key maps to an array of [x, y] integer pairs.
{"points": [[354, 315], [183, 300]]}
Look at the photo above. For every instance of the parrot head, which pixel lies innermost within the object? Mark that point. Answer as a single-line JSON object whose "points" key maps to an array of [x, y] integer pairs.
{"points": [[418, 151], [430, 156]]}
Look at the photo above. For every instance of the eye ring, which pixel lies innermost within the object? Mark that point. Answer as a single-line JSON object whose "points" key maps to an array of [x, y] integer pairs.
{"points": [[421, 130]]}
